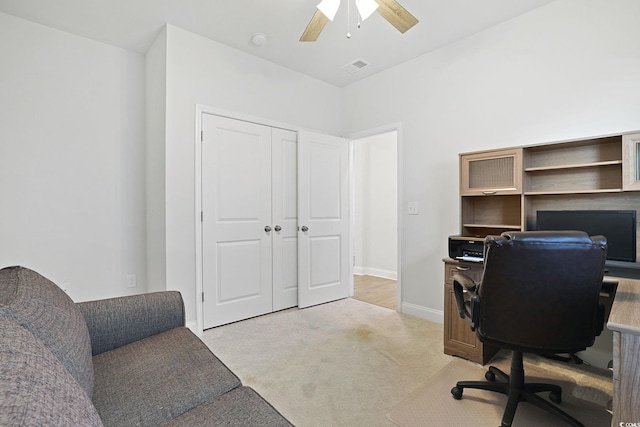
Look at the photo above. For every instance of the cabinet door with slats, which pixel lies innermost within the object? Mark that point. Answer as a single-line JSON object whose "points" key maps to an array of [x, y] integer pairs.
{"points": [[491, 173]]}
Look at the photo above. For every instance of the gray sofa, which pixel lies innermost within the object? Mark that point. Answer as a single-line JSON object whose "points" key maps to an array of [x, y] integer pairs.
{"points": [[117, 362]]}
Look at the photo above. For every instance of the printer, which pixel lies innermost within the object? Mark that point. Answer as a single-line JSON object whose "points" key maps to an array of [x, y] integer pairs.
{"points": [[466, 248]]}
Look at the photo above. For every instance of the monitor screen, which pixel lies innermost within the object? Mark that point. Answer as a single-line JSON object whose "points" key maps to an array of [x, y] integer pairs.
{"points": [[618, 226]]}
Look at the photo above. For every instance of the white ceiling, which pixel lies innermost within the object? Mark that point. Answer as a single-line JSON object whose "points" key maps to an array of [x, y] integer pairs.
{"points": [[134, 24]]}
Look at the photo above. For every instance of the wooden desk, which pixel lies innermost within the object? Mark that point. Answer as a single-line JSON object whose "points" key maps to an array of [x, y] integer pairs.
{"points": [[624, 321], [459, 340]]}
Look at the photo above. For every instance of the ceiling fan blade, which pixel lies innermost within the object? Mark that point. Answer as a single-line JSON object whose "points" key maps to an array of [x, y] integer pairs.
{"points": [[317, 23], [397, 15]]}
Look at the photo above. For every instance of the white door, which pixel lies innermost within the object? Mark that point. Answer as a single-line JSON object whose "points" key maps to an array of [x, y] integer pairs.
{"points": [[285, 218], [236, 206], [324, 271]]}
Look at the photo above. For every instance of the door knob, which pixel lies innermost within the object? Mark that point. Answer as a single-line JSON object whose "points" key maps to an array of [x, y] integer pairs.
{"points": [[277, 228], [267, 228], [305, 228]]}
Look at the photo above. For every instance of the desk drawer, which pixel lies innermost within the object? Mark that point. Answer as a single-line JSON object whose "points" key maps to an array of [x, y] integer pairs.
{"points": [[474, 271]]}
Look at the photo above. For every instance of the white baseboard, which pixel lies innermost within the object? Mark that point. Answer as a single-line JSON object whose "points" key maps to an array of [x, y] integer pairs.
{"points": [[377, 272], [426, 313], [193, 326]]}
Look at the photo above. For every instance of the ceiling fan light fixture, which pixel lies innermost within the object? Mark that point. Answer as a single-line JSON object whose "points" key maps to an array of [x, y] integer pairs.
{"points": [[329, 8], [366, 8], [390, 10]]}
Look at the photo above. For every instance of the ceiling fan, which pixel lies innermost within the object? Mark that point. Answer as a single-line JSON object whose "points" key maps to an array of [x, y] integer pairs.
{"points": [[390, 10]]}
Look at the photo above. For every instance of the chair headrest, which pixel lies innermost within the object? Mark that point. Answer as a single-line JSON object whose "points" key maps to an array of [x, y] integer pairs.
{"points": [[563, 237]]}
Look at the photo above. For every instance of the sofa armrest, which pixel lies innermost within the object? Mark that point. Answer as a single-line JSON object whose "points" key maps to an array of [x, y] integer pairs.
{"points": [[115, 322]]}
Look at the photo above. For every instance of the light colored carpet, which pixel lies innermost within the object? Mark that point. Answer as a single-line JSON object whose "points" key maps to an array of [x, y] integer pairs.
{"points": [[345, 363], [433, 405], [349, 363]]}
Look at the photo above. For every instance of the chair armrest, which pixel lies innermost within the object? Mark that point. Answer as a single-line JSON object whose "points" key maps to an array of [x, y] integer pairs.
{"points": [[115, 322], [470, 311]]}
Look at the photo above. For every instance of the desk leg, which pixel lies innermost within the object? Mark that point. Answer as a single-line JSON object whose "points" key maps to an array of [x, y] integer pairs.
{"points": [[626, 379]]}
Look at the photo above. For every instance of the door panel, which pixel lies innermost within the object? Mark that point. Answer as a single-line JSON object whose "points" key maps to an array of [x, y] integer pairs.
{"points": [[325, 177], [239, 271], [327, 249], [238, 184], [236, 205], [285, 214], [323, 215]]}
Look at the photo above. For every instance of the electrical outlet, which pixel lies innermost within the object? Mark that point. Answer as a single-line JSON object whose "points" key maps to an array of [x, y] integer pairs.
{"points": [[132, 281], [413, 208]]}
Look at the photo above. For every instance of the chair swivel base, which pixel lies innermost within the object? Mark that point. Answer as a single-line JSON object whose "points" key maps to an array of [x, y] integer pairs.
{"points": [[517, 391]]}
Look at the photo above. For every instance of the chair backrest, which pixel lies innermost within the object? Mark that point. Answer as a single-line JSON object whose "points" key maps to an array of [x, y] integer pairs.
{"points": [[540, 291]]}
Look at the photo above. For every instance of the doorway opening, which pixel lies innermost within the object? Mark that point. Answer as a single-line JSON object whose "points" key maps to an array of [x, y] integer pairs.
{"points": [[375, 219]]}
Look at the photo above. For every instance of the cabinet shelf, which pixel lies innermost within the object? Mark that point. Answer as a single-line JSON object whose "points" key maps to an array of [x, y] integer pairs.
{"points": [[483, 215], [593, 177], [561, 192], [576, 154], [574, 166], [497, 226]]}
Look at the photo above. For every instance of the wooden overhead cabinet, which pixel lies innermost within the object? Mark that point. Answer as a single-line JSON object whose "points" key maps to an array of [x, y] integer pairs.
{"points": [[491, 173], [491, 189], [631, 165]]}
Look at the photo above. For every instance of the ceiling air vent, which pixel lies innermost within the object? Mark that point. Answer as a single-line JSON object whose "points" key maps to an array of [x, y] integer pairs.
{"points": [[355, 66]]}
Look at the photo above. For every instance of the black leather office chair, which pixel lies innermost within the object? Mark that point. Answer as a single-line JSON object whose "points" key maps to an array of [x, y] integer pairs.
{"points": [[539, 294]]}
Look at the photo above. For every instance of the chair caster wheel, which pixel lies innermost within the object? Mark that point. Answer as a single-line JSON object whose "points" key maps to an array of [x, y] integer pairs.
{"points": [[490, 376], [555, 397], [456, 393]]}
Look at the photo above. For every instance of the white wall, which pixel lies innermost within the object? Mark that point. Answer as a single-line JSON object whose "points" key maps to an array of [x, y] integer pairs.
{"points": [[71, 159], [155, 121], [200, 71], [376, 207], [566, 70], [72, 151]]}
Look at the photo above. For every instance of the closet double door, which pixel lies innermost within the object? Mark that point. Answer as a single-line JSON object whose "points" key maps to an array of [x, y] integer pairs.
{"points": [[249, 220]]}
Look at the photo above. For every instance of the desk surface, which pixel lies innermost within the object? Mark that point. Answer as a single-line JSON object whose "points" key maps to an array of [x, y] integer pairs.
{"points": [[625, 312]]}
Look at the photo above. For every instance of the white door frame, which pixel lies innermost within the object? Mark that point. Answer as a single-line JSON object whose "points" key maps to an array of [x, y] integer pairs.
{"points": [[201, 109], [364, 134]]}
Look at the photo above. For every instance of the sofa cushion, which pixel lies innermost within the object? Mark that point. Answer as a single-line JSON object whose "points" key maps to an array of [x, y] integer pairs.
{"points": [[35, 388], [44, 309], [151, 381], [241, 407]]}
